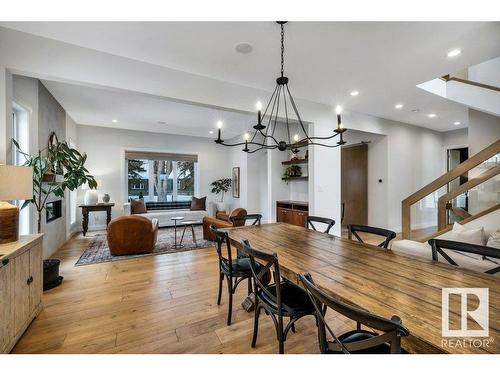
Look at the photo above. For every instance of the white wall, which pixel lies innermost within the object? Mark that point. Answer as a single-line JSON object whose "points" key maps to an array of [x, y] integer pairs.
{"points": [[484, 129], [456, 138], [106, 147]]}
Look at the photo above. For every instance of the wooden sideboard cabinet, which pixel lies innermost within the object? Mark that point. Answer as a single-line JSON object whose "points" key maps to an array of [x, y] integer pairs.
{"points": [[292, 212], [21, 287]]}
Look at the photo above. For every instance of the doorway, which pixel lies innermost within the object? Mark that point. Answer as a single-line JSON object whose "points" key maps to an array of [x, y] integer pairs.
{"points": [[454, 157], [354, 184]]}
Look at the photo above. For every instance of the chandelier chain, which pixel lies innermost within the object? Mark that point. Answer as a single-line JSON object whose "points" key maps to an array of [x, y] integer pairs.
{"points": [[282, 49]]}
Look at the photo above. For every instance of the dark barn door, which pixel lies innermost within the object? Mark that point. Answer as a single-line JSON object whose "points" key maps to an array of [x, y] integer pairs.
{"points": [[354, 184]]}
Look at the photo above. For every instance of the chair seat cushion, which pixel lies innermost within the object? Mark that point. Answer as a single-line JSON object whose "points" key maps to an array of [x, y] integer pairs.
{"points": [[291, 295], [240, 266], [360, 335]]}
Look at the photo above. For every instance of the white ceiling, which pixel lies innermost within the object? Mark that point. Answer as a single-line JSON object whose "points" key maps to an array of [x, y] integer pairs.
{"points": [[325, 61], [135, 111]]}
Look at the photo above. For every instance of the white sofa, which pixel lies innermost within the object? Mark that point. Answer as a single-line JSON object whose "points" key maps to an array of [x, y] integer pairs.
{"points": [[490, 224], [164, 217]]}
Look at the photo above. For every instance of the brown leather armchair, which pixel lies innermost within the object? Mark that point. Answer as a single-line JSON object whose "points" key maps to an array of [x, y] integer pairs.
{"points": [[222, 220], [132, 235]]}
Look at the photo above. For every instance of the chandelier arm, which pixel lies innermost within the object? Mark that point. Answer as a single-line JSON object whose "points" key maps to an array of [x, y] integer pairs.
{"points": [[286, 117], [270, 100], [295, 109], [263, 148], [330, 137], [277, 111], [324, 145]]}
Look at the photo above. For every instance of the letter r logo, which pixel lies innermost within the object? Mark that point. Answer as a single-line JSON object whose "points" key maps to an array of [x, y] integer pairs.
{"points": [[463, 314]]}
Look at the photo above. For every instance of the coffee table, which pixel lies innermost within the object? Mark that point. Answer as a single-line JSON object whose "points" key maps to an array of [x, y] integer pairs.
{"points": [[176, 219], [191, 223]]}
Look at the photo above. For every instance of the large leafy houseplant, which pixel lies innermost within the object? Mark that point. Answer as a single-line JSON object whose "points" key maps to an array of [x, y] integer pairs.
{"points": [[58, 158], [221, 186]]}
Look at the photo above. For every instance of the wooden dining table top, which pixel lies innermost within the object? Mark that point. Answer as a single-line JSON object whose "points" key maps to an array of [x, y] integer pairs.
{"points": [[381, 281]]}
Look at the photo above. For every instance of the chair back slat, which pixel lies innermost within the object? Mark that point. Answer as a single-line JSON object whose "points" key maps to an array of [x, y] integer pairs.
{"points": [[222, 238], [439, 245], [392, 328], [261, 263], [353, 229], [255, 217], [318, 219]]}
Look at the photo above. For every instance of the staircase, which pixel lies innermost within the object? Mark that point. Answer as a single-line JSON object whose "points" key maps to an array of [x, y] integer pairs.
{"points": [[443, 204]]}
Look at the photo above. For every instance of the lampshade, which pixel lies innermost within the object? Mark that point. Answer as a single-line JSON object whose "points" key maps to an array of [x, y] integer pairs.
{"points": [[16, 183]]}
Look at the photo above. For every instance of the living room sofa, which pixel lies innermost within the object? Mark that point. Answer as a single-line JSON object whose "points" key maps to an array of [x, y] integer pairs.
{"points": [[164, 212]]}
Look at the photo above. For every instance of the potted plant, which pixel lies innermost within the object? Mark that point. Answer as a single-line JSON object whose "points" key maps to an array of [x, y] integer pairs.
{"points": [[221, 186], [292, 171], [71, 173]]}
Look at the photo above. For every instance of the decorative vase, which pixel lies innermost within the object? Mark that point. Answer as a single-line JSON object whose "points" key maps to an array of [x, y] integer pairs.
{"points": [[221, 206], [91, 197], [105, 198]]}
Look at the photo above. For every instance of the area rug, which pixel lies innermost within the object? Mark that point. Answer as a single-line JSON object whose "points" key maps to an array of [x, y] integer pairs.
{"points": [[98, 251]]}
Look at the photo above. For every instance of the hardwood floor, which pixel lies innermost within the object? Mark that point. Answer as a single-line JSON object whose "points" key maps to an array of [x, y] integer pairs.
{"points": [[155, 304]]}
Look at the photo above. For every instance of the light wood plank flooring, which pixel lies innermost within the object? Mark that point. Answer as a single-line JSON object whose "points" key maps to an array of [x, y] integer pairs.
{"points": [[155, 304]]}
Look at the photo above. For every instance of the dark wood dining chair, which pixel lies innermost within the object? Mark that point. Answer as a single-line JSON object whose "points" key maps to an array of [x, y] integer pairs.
{"points": [[318, 219], [234, 270], [358, 341], [353, 230], [280, 299], [255, 217], [438, 247]]}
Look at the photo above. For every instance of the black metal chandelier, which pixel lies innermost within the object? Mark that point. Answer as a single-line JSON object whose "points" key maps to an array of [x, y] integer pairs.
{"points": [[263, 134]]}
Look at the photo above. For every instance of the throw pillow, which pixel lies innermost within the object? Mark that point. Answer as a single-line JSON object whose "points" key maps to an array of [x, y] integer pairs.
{"points": [[460, 233], [494, 240], [137, 206], [198, 204]]}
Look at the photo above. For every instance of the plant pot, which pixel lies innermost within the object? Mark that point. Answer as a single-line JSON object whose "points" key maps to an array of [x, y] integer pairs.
{"points": [[221, 206], [91, 197]]}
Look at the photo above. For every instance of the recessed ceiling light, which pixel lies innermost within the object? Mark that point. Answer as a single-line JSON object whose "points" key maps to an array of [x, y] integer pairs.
{"points": [[114, 120], [398, 106], [431, 115], [454, 52], [244, 48], [354, 93], [456, 123], [211, 132]]}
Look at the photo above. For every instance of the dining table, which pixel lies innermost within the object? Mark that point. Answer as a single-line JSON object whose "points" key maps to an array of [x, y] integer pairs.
{"points": [[381, 281]]}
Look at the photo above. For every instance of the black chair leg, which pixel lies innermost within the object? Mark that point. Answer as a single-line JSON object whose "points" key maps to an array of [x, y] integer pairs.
{"points": [[230, 292], [281, 341], [249, 285], [255, 325], [221, 278], [293, 327]]}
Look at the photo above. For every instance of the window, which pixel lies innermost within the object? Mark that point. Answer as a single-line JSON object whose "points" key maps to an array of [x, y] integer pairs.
{"points": [[20, 132], [161, 177]]}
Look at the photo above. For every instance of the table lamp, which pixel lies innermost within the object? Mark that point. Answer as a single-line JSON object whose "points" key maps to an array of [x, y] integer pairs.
{"points": [[16, 183]]}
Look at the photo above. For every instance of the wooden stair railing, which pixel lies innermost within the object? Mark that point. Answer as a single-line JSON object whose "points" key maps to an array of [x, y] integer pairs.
{"points": [[448, 78], [473, 182], [439, 182], [464, 221]]}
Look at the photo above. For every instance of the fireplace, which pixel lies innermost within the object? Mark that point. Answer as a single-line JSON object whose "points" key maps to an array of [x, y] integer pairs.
{"points": [[53, 211]]}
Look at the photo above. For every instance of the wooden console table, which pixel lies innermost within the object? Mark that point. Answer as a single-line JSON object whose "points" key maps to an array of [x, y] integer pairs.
{"points": [[86, 208]]}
